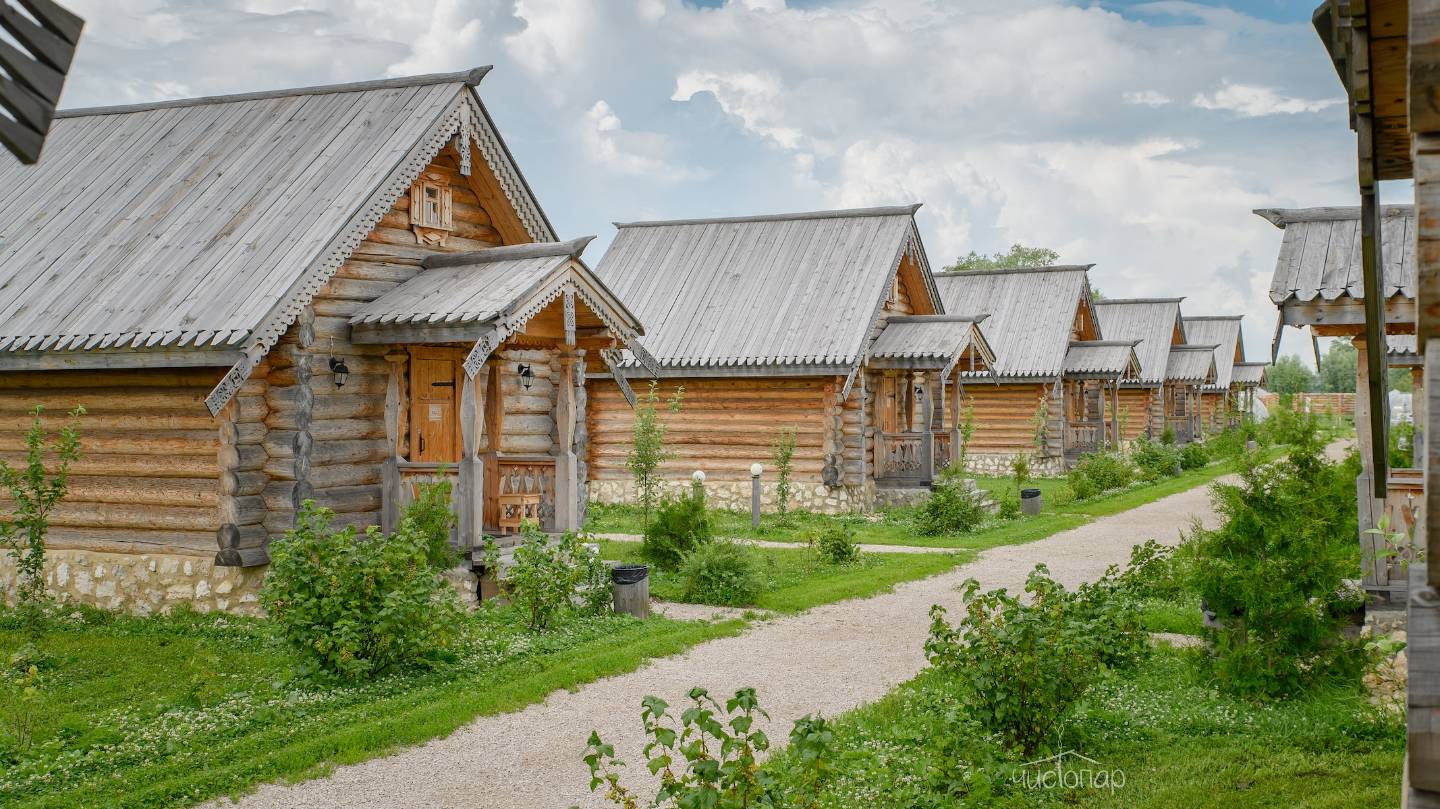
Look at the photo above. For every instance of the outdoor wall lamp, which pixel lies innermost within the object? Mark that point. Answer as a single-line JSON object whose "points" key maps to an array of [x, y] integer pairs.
{"points": [[527, 376], [340, 370]]}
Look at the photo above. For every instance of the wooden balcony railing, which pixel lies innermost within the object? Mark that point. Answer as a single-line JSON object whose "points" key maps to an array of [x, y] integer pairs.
{"points": [[900, 461], [524, 490], [942, 450], [1083, 436]]}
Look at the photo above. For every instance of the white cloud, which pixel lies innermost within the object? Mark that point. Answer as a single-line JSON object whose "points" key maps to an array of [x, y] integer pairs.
{"points": [[640, 154], [754, 98], [1253, 101], [1148, 98]]}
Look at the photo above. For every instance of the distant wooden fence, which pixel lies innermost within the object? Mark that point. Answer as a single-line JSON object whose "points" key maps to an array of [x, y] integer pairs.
{"points": [[1336, 404]]}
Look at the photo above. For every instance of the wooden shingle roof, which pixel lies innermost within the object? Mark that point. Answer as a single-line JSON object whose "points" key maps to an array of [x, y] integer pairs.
{"points": [[1153, 322], [1320, 253], [937, 340], [1032, 312], [792, 290], [1107, 359], [209, 223], [1191, 364], [1224, 332], [1250, 374]]}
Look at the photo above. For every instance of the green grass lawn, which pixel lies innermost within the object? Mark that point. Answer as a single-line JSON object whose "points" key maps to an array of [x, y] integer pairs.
{"points": [[1178, 742], [796, 580], [171, 711]]}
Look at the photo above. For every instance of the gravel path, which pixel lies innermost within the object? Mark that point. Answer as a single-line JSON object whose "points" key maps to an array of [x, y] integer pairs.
{"points": [[765, 543], [827, 660]]}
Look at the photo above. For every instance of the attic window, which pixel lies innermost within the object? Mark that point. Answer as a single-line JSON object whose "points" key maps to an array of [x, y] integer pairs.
{"points": [[431, 209]]}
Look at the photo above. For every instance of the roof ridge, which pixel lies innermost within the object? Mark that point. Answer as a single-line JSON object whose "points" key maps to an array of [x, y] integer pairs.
{"points": [[947, 318], [1280, 217], [839, 213], [1104, 301], [470, 78], [1212, 317], [1194, 347], [1013, 270], [1131, 343], [571, 249]]}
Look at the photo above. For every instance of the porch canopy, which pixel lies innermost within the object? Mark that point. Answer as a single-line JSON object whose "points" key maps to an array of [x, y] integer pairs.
{"points": [[1191, 365], [1102, 359], [1249, 374], [932, 343], [530, 296]]}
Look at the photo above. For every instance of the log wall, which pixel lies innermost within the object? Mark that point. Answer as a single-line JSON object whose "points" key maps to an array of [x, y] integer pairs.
{"points": [[1142, 414], [1004, 415], [148, 479]]}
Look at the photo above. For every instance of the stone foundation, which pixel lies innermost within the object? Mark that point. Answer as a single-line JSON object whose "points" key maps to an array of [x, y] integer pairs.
{"points": [[735, 494], [144, 584], [998, 465]]}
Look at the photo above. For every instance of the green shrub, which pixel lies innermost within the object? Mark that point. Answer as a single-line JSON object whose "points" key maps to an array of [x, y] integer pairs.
{"points": [[721, 573], [1231, 443], [951, 508], [33, 493], [708, 757], [549, 578], [1099, 472], [356, 606], [1194, 456], [835, 544], [1168, 437], [430, 511], [680, 526], [1021, 667], [1273, 572], [1009, 506], [1155, 460], [783, 453]]}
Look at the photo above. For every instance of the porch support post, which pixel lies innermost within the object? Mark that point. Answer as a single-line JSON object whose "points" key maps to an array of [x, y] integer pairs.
{"points": [[1370, 506], [470, 494], [1417, 413], [390, 469], [955, 413], [567, 483], [936, 382], [927, 443], [1115, 411]]}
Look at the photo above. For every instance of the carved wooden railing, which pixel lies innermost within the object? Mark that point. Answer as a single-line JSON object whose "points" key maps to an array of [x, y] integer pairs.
{"points": [[942, 450], [1180, 425], [901, 459], [524, 489], [1083, 436]]}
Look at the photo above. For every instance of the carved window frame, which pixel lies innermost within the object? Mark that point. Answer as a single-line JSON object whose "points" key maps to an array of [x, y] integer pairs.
{"points": [[432, 230]]}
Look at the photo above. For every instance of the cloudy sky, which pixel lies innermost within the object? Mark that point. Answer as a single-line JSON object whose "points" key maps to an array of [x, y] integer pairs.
{"points": [[1134, 135]]}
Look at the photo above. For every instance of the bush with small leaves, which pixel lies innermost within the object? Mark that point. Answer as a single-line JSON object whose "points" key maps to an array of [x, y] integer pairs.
{"points": [[1194, 455], [33, 493], [1009, 507], [835, 544], [951, 508], [552, 577], [1100, 472], [355, 606], [680, 526], [721, 573], [1156, 460], [708, 757]]}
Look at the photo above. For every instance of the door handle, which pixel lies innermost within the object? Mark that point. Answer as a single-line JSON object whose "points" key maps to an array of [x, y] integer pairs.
{"points": [[422, 443]]}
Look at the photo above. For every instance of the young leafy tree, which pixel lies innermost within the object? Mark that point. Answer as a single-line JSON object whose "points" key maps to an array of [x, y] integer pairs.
{"points": [[1337, 367], [1290, 375], [647, 446], [1017, 256], [34, 493], [783, 453]]}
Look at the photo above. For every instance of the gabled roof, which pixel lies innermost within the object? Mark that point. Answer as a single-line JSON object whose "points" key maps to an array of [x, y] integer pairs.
{"points": [[1224, 332], [1249, 374], [792, 290], [1151, 321], [1107, 359], [1032, 312], [210, 222], [931, 341], [1320, 253], [1191, 364]]}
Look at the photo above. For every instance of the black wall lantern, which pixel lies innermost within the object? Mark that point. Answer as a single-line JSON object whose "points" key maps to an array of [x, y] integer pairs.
{"points": [[340, 370], [527, 376]]}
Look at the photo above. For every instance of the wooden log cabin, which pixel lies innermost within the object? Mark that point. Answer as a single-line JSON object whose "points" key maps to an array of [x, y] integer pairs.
{"points": [[826, 323], [1147, 400], [1188, 370], [1034, 404], [1219, 406], [314, 294]]}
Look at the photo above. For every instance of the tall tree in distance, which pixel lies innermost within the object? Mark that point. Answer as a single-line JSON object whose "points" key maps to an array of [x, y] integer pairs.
{"points": [[1017, 256], [1337, 367], [1290, 375]]}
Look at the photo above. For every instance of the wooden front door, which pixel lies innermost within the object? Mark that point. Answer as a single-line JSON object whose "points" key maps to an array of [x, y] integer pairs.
{"points": [[435, 405]]}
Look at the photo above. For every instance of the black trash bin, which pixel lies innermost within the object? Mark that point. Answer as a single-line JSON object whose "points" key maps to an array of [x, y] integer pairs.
{"points": [[1031, 502], [632, 589]]}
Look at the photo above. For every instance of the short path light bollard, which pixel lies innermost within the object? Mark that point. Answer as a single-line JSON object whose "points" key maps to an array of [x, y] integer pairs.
{"points": [[755, 470]]}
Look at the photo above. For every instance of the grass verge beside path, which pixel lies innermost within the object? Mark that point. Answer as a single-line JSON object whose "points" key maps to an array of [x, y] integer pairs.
{"points": [[1177, 742], [171, 711], [795, 580]]}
